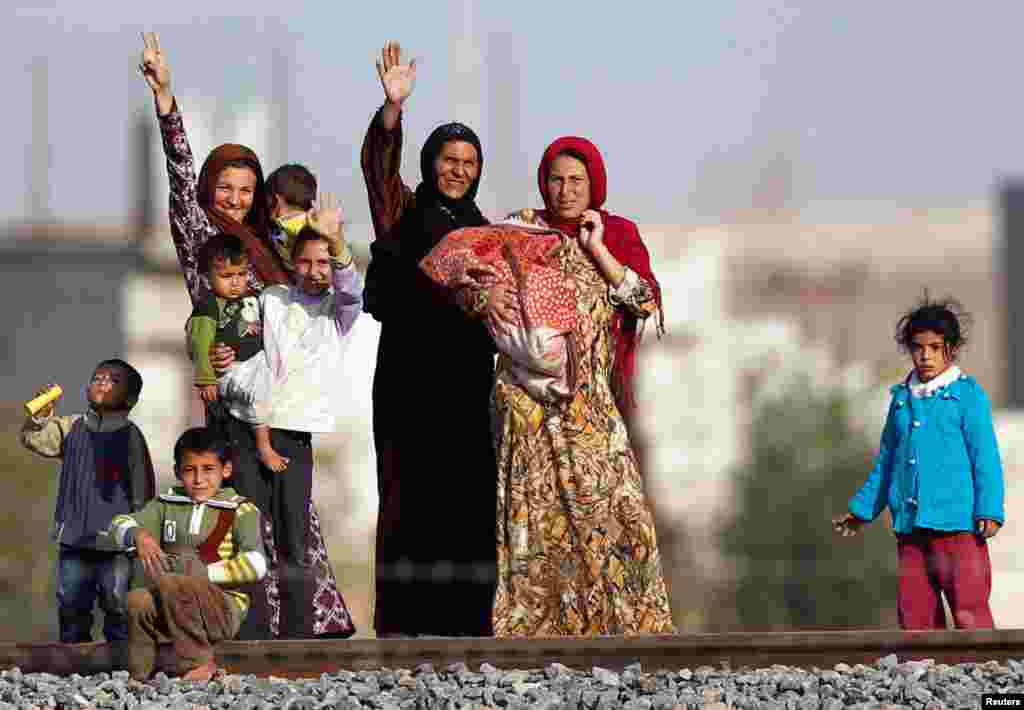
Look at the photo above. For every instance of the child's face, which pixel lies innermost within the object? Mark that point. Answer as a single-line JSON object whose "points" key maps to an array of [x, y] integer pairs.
{"points": [[108, 389], [930, 354], [313, 267], [229, 280], [202, 474]]}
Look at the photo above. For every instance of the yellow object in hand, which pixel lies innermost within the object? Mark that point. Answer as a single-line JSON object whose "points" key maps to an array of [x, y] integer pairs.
{"points": [[37, 404]]}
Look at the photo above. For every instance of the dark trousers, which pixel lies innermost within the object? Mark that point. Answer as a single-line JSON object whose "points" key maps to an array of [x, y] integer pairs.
{"points": [[283, 498], [956, 565], [83, 577]]}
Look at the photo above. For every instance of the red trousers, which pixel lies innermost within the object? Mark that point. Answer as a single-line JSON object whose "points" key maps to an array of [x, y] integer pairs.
{"points": [[933, 564]]}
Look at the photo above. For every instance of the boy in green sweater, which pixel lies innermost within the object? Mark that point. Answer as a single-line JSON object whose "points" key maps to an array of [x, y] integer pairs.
{"points": [[196, 544]]}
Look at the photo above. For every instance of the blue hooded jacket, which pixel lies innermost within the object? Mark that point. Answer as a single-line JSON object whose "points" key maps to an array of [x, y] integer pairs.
{"points": [[938, 465]]}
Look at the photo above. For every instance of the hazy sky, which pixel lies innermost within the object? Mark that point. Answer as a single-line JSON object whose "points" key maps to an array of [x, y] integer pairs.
{"points": [[868, 104]]}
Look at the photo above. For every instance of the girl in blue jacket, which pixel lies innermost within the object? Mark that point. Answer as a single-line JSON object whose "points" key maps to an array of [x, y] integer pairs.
{"points": [[939, 473]]}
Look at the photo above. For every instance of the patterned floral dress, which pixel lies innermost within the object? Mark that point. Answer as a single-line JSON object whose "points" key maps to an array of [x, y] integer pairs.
{"points": [[190, 228], [577, 550]]}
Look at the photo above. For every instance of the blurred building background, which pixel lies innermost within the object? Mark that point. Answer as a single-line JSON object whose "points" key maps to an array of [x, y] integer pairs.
{"points": [[759, 409]]}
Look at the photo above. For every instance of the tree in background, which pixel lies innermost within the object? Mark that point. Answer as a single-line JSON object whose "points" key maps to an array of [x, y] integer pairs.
{"points": [[792, 571]]}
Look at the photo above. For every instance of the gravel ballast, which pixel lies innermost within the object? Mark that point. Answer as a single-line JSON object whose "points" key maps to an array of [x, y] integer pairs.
{"points": [[888, 684]]}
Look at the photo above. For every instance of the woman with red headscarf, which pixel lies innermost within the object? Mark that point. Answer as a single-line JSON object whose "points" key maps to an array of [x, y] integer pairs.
{"points": [[299, 598], [577, 550]]}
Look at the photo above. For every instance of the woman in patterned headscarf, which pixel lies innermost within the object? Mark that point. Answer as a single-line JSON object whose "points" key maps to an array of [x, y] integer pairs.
{"points": [[229, 197], [577, 550], [435, 553]]}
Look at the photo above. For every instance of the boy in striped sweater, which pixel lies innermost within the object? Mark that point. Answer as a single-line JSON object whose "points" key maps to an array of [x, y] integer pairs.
{"points": [[197, 544]]}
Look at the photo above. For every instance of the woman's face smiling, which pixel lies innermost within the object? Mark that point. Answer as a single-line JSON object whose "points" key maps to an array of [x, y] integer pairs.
{"points": [[456, 167], [234, 191]]}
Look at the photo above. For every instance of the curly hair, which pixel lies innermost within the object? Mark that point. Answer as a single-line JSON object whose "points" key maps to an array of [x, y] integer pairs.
{"points": [[946, 317]]}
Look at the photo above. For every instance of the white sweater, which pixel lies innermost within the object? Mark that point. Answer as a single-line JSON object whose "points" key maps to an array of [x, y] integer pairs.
{"points": [[295, 381]]}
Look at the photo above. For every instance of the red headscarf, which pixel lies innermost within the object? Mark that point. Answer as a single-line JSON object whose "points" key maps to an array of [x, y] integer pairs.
{"points": [[623, 241], [254, 230]]}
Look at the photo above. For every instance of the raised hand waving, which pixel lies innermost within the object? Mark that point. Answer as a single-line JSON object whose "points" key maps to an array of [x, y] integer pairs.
{"points": [[396, 78], [325, 219]]}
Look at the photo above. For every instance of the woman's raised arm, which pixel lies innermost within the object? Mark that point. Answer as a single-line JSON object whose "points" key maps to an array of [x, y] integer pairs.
{"points": [[397, 79], [190, 227], [381, 155], [157, 72]]}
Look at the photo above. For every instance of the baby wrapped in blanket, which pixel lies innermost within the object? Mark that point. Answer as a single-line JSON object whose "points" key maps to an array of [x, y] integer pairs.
{"points": [[525, 257]]}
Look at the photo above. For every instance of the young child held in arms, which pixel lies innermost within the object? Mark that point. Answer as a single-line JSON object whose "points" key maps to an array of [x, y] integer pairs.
{"points": [[291, 190], [106, 471], [196, 543], [938, 470], [231, 316]]}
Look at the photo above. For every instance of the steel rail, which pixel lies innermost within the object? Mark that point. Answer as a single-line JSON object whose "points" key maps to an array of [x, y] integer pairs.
{"points": [[296, 658]]}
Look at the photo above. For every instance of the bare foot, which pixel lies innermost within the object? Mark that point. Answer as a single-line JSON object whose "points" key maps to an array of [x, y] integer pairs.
{"points": [[271, 459], [202, 673]]}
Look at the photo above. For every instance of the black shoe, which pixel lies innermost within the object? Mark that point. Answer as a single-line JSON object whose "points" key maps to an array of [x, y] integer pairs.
{"points": [[335, 635]]}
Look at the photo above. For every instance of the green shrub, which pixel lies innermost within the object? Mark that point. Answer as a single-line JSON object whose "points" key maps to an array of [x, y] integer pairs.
{"points": [[793, 571], [27, 555]]}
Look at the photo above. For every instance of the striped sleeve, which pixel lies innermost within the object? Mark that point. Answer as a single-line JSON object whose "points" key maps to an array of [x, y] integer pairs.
{"points": [[243, 568], [122, 527], [249, 563]]}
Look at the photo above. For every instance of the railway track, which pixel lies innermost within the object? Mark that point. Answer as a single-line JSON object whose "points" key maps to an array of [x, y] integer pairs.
{"points": [[300, 658]]}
